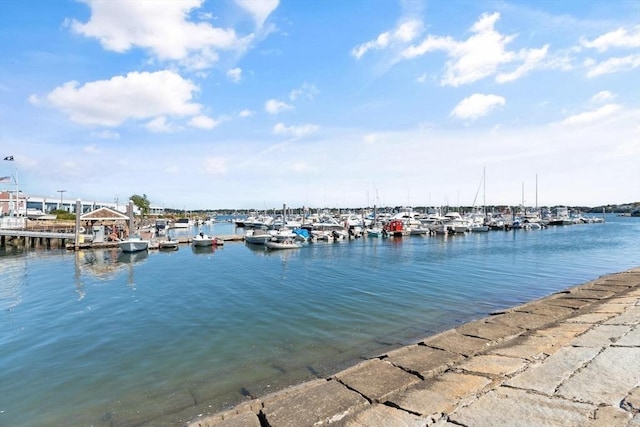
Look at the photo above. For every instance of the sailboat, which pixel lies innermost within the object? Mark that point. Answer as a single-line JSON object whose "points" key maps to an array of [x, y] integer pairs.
{"points": [[477, 220]]}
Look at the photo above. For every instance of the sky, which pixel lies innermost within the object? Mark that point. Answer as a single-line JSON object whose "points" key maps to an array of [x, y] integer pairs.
{"points": [[252, 104]]}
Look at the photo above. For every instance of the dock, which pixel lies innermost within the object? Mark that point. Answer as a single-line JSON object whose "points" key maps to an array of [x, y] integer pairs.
{"points": [[56, 239]]}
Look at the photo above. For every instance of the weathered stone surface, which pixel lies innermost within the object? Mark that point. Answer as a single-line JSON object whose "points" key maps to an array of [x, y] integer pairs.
{"points": [[563, 301], [243, 419], [591, 318], [521, 320], [493, 365], [457, 343], [614, 307], [631, 403], [563, 333], [601, 335], [376, 379], [490, 331], [382, 415], [323, 402], [542, 308], [244, 412], [631, 316], [424, 360], [608, 416], [546, 376], [437, 395], [616, 370], [530, 347], [508, 407], [589, 294]]}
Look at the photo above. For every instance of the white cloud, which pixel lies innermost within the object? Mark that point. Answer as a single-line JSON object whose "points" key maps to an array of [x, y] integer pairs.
{"points": [[480, 56], [295, 131], [162, 28], [477, 105], [159, 125], [92, 149], [531, 60], [612, 65], [245, 113], [215, 166], [136, 96], [404, 33], [273, 106], [307, 90], [259, 9], [619, 38], [591, 116], [235, 74], [602, 96], [106, 134], [203, 122]]}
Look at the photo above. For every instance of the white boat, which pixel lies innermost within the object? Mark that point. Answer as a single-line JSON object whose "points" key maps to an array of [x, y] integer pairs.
{"points": [[202, 240], [374, 232], [133, 244], [257, 237], [168, 244], [285, 244], [181, 223]]}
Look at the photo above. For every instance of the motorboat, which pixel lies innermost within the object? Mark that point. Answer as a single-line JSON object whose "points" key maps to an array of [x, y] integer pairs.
{"points": [[181, 223], [285, 244], [201, 240], [133, 244], [257, 237], [171, 245]]}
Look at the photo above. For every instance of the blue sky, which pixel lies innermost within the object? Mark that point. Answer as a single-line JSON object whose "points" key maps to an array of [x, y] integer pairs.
{"points": [[254, 104]]}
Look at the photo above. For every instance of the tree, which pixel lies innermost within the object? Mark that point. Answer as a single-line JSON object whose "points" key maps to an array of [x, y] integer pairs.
{"points": [[141, 202]]}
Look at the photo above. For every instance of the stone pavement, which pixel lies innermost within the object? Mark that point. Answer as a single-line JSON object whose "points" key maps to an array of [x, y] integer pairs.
{"points": [[571, 359]]}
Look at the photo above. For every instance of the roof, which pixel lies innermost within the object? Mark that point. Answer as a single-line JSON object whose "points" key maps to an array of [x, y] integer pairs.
{"points": [[102, 214]]}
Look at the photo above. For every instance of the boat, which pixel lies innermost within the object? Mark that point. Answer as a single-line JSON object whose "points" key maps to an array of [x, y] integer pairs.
{"points": [[133, 244], [285, 244], [374, 232], [202, 240], [257, 237], [171, 245], [181, 223]]}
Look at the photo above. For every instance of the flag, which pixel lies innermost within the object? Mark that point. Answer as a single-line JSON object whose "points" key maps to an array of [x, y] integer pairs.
{"points": [[10, 158], [5, 179]]}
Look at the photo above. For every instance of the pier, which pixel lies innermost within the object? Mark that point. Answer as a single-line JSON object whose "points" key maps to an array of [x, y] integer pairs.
{"points": [[34, 239]]}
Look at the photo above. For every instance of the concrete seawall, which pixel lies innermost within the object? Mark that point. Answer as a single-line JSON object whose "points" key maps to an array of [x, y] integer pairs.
{"points": [[570, 359]]}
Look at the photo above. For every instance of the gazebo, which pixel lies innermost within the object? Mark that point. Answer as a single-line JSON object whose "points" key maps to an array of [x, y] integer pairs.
{"points": [[105, 224]]}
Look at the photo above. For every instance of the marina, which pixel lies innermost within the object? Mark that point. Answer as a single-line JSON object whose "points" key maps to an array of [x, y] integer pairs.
{"points": [[101, 337]]}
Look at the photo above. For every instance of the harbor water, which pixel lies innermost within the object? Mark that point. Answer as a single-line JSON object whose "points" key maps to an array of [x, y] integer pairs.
{"points": [[98, 337]]}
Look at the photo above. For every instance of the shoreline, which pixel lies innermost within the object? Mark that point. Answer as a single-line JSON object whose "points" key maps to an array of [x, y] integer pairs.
{"points": [[479, 356]]}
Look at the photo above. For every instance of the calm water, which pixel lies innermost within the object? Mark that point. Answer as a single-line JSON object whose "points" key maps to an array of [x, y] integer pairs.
{"points": [[95, 336]]}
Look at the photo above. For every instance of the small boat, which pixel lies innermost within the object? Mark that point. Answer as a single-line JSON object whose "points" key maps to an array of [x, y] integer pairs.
{"points": [[202, 240], [374, 232], [285, 244], [257, 237], [133, 244], [168, 245]]}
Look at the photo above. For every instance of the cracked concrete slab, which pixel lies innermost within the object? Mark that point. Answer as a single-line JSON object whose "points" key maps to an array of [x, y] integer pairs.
{"points": [[455, 342], [499, 408], [382, 415], [547, 375], [497, 332], [320, 402], [522, 320], [601, 335], [376, 379], [424, 360], [438, 395], [616, 369], [493, 365]]}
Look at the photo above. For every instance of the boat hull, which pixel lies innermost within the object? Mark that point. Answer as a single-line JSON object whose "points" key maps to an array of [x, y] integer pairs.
{"points": [[134, 245]]}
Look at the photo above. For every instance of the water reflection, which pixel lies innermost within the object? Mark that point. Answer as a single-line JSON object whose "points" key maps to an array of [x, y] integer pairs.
{"points": [[133, 257]]}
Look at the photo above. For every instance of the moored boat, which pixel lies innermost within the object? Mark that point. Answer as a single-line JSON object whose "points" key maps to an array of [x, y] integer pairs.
{"points": [[202, 240], [285, 244], [133, 244]]}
